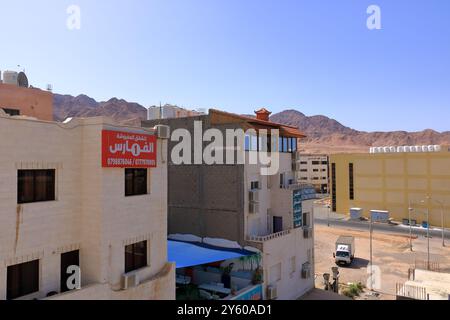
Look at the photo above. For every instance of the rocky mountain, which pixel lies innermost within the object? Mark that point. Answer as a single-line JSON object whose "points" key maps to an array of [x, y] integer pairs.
{"points": [[119, 110], [328, 135], [325, 135]]}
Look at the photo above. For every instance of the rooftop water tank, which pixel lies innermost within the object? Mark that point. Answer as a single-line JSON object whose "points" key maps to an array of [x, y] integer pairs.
{"points": [[10, 77], [437, 148]]}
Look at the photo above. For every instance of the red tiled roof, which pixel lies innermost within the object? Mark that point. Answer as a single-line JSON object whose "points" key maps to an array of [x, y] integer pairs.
{"points": [[285, 130]]}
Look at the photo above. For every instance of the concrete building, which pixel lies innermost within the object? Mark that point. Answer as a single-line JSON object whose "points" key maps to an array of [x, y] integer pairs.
{"points": [[424, 285], [169, 111], [71, 204], [237, 203], [313, 169], [16, 98], [394, 179]]}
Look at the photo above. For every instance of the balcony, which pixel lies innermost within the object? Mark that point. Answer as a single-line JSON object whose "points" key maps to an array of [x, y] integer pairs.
{"points": [[272, 236]]}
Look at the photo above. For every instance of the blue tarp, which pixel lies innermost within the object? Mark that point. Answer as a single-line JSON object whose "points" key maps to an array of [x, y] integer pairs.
{"points": [[186, 254]]}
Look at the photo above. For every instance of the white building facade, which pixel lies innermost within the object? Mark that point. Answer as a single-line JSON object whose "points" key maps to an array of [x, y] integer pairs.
{"points": [[73, 227], [313, 169]]}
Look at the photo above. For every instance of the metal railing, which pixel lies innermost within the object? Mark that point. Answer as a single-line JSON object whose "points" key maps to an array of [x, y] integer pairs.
{"points": [[410, 292], [268, 237]]}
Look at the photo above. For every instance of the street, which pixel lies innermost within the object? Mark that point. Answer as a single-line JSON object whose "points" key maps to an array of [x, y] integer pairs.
{"points": [[391, 253]]}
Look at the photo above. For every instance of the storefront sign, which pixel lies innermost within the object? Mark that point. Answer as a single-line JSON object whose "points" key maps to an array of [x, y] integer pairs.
{"points": [[128, 150]]}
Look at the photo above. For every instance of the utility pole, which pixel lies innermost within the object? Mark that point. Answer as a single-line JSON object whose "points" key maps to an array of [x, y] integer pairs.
{"points": [[442, 220], [371, 261], [428, 238], [410, 209]]}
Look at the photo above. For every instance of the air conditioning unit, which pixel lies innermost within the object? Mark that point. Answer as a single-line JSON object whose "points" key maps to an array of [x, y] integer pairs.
{"points": [[129, 280], [253, 207], [253, 196], [306, 271], [272, 293], [163, 131], [307, 233]]}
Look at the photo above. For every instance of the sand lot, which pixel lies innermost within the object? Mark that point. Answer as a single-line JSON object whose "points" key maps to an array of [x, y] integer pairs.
{"points": [[391, 254]]}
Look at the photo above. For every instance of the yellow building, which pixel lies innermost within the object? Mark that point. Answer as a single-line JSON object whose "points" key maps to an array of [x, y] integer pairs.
{"points": [[394, 179]]}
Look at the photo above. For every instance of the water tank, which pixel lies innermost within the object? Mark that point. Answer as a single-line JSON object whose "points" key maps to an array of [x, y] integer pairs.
{"points": [[424, 148], [437, 148], [386, 149], [430, 148], [379, 149], [418, 148], [393, 149], [400, 149], [10, 77], [371, 150]]}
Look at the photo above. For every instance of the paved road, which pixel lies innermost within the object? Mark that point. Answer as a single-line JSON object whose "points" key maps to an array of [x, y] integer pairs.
{"points": [[383, 227]]}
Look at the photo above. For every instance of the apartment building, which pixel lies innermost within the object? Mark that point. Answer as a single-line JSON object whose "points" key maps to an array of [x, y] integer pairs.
{"points": [[313, 169], [394, 179], [83, 210], [169, 111], [237, 203]]}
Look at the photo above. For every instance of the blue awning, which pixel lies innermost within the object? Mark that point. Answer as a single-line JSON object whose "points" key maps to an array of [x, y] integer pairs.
{"points": [[186, 254]]}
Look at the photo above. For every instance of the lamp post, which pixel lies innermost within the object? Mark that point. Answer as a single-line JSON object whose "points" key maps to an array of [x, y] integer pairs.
{"points": [[442, 204], [428, 231], [410, 209], [371, 257]]}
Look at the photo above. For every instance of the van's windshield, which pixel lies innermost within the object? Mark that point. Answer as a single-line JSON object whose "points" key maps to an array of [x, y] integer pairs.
{"points": [[342, 254]]}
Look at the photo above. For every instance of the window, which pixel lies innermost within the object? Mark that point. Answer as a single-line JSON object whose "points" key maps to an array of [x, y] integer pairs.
{"points": [[275, 273], [35, 185], [315, 163], [135, 182], [350, 179], [292, 265], [254, 185], [303, 170], [68, 259], [135, 256], [282, 180], [315, 170], [306, 219], [303, 162], [333, 186], [22, 279], [12, 112]]}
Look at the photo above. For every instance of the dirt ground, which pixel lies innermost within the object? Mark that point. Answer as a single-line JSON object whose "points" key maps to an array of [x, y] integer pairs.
{"points": [[391, 253]]}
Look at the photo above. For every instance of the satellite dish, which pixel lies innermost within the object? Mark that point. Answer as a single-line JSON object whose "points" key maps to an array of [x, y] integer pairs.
{"points": [[22, 80]]}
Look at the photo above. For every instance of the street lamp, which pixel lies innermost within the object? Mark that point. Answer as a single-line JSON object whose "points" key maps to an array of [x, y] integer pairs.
{"points": [[410, 209], [442, 204], [371, 261], [428, 233]]}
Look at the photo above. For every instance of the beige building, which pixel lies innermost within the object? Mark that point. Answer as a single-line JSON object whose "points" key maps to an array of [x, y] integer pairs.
{"points": [[235, 202], [70, 221], [313, 169], [169, 112], [394, 179]]}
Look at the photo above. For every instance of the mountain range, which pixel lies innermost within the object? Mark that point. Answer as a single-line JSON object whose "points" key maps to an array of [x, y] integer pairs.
{"points": [[324, 135]]}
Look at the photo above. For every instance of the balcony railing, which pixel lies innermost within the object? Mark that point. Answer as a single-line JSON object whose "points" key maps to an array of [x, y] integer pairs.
{"points": [[268, 237]]}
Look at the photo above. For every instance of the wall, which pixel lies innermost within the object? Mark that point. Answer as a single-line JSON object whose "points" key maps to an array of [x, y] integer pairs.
{"points": [[30, 101], [90, 213], [391, 181], [205, 200], [278, 252]]}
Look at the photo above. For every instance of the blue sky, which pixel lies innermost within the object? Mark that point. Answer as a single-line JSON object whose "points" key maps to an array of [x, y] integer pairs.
{"points": [[314, 56]]}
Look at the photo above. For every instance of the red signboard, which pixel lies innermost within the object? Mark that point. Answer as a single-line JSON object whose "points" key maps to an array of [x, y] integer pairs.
{"points": [[128, 150]]}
